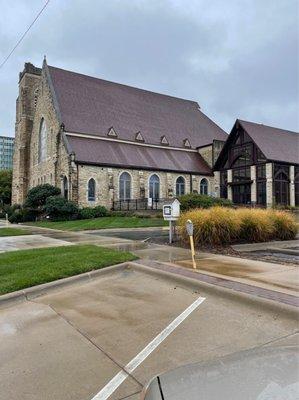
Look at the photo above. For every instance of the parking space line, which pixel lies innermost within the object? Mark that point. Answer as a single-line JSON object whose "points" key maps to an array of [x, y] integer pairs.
{"points": [[119, 378]]}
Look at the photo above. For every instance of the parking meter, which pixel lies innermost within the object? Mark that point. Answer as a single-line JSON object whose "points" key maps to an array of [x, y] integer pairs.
{"points": [[189, 228]]}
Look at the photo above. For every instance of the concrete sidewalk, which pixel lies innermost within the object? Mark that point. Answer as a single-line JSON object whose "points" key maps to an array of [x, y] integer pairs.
{"points": [[277, 277]]}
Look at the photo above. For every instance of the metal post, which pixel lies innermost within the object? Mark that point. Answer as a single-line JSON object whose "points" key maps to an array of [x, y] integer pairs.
{"points": [[170, 232]]}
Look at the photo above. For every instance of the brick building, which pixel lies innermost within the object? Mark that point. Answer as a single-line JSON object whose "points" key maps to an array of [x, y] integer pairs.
{"points": [[109, 144]]}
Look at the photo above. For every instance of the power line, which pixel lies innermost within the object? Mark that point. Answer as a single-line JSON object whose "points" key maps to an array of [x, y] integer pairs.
{"points": [[25, 33]]}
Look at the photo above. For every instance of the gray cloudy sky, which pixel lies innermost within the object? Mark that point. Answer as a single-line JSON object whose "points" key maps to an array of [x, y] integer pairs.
{"points": [[237, 59]]}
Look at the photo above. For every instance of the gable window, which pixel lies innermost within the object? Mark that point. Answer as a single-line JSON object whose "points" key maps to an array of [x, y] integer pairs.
{"points": [[125, 186], [281, 184], [180, 186], [187, 143], [154, 187], [91, 190], [204, 186], [164, 140], [139, 137], [42, 149], [111, 132]]}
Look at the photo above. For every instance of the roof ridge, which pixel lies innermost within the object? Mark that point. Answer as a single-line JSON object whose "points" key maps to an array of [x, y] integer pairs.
{"points": [[267, 126], [128, 86]]}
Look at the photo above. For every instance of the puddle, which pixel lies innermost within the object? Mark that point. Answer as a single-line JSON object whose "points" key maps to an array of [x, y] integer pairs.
{"points": [[134, 235]]}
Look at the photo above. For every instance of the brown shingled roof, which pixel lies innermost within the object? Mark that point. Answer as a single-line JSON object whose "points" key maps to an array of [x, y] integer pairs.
{"points": [[276, 144], [91, 105], [104, 152]]}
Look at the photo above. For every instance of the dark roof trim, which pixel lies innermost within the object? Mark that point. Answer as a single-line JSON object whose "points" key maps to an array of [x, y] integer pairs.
{"points": [[143, 168], [84, 135]]}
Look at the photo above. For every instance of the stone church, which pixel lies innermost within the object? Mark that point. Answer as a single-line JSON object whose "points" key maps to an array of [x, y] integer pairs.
{"points": [[104, 143], [109, 144]]}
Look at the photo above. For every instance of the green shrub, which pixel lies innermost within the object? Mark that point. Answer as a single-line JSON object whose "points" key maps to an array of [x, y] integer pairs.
{"points": [[220, 225], [194, 200], [86, 213], [100, 211], [92, 212], [58, 208], [8, 209], [37, 196], [23, 215]]}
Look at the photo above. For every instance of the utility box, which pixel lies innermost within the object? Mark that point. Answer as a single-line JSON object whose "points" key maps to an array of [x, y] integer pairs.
{"points": [[171, 212]]}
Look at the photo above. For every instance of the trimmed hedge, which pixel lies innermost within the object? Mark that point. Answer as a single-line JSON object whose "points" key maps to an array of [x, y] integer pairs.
{"points": [[92, 212], [221, 226], [194, 200]]}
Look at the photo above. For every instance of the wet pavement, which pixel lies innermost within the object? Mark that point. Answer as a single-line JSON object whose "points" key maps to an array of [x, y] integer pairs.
{"points": [[69, 344]]}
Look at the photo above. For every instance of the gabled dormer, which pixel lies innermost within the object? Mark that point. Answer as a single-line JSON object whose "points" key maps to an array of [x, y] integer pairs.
{"points": [[186, 143], [139, 137], [112, 133], [164, 141]]}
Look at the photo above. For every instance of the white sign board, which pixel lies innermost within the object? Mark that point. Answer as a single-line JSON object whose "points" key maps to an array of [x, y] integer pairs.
{"points": [[171, 212]]}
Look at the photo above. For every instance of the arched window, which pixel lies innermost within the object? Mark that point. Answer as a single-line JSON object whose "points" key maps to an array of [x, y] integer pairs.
{"points": [[180, 186], [204, 186], [154, 187], [91, 190], [65, 188], [42, 147], [125, 186]]}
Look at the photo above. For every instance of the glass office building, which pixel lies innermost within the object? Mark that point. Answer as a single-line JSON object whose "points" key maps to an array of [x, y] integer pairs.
{"points": [[6, 152]]}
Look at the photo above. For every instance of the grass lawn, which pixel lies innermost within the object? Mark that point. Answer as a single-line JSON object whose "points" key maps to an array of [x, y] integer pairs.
{"points": [[13, 232], [101, 223], [25, 268]]}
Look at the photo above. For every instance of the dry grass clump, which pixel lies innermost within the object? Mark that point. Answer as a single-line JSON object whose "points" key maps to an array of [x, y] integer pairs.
{"points": [[256, 225], [285, 227], [213, 226], [219, 225]]}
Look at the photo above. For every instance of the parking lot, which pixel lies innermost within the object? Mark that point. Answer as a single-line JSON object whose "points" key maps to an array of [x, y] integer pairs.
{"points": [[72, 342]]}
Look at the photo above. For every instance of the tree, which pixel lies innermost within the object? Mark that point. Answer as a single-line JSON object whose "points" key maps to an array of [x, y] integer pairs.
{"points": [[37, 196], [5, 186]]}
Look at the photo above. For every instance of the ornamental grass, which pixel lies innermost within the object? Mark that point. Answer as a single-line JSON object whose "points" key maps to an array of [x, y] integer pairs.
{"points": [[222, 226]]}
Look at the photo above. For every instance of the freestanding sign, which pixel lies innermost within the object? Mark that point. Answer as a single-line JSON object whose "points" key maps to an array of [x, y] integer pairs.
{"points": [[171, 213]]}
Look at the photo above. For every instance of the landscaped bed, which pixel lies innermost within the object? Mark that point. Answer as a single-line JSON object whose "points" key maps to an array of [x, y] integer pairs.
{"points": [[101, 223], [13, 232], [25, 268], [220, 226]]}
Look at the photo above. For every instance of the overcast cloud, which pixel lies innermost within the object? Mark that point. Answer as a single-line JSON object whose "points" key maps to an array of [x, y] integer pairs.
{"points": [[237, 59]]}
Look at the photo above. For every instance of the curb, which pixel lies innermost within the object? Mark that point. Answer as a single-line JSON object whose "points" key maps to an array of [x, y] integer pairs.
{"points": [[45, 288]]}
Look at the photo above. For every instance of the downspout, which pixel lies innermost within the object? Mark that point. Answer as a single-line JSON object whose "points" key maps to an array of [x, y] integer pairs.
{"points": [[191, 184]]}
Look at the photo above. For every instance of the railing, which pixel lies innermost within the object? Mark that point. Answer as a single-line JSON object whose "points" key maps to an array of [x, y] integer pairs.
{"points": [[139, 204]]}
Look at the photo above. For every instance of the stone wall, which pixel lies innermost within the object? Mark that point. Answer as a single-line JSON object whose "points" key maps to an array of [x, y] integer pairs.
{"points": [[25, 109], [207, 154], [107, 184]]}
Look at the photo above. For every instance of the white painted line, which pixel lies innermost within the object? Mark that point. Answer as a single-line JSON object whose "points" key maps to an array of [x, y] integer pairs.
{"points": [[107, 390]]}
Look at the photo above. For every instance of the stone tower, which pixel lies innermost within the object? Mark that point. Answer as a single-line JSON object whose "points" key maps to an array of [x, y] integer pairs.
{"points": [[29, 81]]}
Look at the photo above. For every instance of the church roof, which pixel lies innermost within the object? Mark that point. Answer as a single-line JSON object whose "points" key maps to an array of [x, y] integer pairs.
{"points": [[126, 155], [276, 144], [91, 105]]}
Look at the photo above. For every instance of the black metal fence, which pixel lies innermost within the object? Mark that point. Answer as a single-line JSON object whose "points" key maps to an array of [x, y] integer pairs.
{"points": [[139, 204]]}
